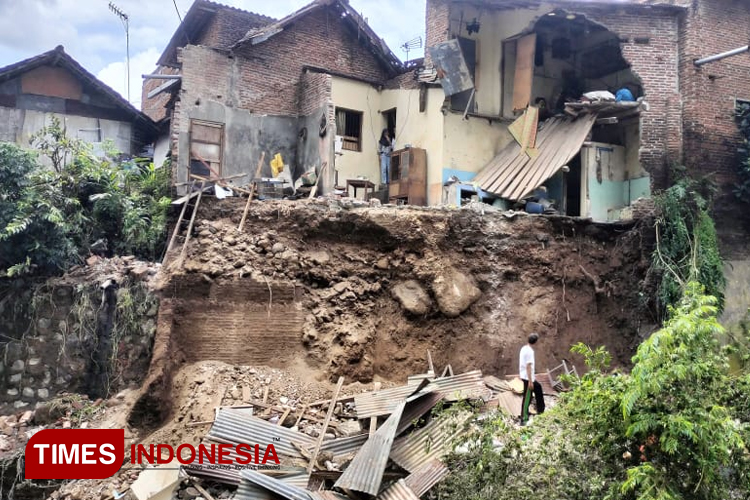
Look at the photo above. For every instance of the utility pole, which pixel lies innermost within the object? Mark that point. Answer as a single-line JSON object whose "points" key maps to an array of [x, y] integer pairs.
{"points": [[126, 23]]}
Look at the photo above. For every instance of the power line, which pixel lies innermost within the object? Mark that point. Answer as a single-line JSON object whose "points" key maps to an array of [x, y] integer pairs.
{"points": [[178, 10]]}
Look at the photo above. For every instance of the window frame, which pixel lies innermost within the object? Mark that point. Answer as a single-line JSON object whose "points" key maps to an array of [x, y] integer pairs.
{"points": [[354, 143], [216, 165]]}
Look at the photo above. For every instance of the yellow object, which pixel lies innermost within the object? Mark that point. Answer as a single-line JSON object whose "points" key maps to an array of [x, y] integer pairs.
{"points": [[277, 165]]}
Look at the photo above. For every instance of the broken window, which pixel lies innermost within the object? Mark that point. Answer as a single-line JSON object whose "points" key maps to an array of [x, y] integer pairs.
{"points": [[460, 101], [349, 126], [206, 148]]}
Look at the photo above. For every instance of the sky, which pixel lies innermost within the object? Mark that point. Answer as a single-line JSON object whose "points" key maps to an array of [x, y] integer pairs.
{"points": [[95, 36]]}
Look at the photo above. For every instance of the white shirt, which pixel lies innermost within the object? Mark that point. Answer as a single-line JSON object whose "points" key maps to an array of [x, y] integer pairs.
{"points": [[526, 357]]}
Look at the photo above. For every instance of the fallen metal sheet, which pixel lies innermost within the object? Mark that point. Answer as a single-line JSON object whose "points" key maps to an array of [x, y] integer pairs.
{"points": [[276, 486], [247, 490], [469, 385], [496, 384], [235, 427], [156, 482], [398, 491], [341, 447], [451, 67], [327, 495], [509, 401], [430, 442], [512, 175], [426, 477], [379, 403], [365, 472]]}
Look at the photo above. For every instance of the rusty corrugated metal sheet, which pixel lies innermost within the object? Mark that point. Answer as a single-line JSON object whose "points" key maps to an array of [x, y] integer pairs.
{"points": [[379, 403], [398, 491], [510, 402], [234, 427], [365, 472], [428, 475], [247, 490], [513, 174], [276, 486], [469, 385], [342, 447], [428, 443], [416, 406], [327, 495]]}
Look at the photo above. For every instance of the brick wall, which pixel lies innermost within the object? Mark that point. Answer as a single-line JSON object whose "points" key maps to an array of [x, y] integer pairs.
{"points": [[314, 92], [437, 18], [157, 107], [709, 92], [228, 26]]}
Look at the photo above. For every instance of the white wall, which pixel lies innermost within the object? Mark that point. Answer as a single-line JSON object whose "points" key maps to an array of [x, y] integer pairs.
{"points": [[78, 127]]}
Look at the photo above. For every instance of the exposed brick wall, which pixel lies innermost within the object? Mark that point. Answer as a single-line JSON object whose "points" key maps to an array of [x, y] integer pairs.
{"points": [[406, 80], [314, 92], [157, 107], [228, 27], [438, 21], [711, 135], [269, 73]]}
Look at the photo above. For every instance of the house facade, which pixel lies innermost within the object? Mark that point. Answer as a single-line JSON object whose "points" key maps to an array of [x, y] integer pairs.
{"points": [[276, 87], [54, 84]]}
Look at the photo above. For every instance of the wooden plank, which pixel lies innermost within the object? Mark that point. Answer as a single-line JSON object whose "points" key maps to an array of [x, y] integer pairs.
{"points": [[184, 199], [301, 414], [246, 393], [177, 226], [524, 75], [314, 191], [373, 425], [283, 416], [252, 191], [331, 407], [200, 489], [183, 253], [210, 134]]}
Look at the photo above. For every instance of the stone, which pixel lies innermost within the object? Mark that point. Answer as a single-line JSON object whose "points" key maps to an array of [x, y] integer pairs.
{"points": [[383, 264], [140, 271], [341, 287], [35, 366], [190, 493], [26, 418], [42, 393], [278, 248], [20, 404], [17, 366], [349, 428], [43, 324], [283, 400], [318, 257], [5, 444], [412, 297], [12, 393], [455, 292], [28, 392], [230, 240], [16, 379]]}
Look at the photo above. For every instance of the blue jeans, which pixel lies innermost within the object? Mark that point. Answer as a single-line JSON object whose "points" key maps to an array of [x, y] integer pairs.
{"points": [[385, 166]]}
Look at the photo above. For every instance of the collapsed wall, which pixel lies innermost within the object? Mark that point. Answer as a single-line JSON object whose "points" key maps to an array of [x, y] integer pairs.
{"points": [[328, 289], [88, 332]]}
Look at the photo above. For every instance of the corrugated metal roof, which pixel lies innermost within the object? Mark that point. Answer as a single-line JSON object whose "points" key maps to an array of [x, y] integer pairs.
{"points": [[416, 406], [469, 385], [327, 495], [247, 490], [365, 472], [510, 402], [342, 447], [235, 427], [512, 175], [379, 403], [428, 443], [398, 491], [428, 475], [280, 488]]}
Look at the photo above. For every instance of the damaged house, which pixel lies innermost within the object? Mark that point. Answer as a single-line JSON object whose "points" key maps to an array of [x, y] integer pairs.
{"points": [[232, 85], [497, 110]]}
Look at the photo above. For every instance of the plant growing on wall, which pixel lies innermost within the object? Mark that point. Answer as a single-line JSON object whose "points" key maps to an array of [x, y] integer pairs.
{"points": [[742, 188]]}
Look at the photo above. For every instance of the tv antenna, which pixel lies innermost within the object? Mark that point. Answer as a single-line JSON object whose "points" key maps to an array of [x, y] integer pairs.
{"points": [[126, 23], [414, 43]]}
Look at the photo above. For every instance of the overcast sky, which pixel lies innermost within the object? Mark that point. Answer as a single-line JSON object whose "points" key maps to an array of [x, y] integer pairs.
{"points": [[95, 37]]}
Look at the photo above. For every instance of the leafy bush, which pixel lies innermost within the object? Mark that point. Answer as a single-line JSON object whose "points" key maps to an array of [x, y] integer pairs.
{"points": [[742, 188], [687, 244], [49, 218]]}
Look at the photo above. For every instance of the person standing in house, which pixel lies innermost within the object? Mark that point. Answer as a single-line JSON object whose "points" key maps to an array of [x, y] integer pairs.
{"points": [[385, 148], [526, 371]]}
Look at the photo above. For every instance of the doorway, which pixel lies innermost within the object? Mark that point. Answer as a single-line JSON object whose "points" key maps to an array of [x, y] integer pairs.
{"points": [[390, 121], [572, 188]]}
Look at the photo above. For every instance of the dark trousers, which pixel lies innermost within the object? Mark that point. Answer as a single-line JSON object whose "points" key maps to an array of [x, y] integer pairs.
{"points": [[538, 398]]}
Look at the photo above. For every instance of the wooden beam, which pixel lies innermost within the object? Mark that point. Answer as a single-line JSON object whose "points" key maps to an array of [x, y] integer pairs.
{"points": [[252, 191], [183, 253], [331, 407], [177, 226]]}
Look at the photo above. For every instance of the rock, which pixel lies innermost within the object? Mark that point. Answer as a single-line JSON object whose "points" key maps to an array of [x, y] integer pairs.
{"points": [[412, 297], [341, 287], [91, 261], [230, 240], [139, 272], [5, 444], [17, 366], [329, 436], [349, 428], [26, 417], [20, 404], [455, 292], [318, 257], [190, 493], [278, 248], [16, 379], [283, 400], [35, 366], [43, 324], [12, 393], [42, 393], [28, 392], [383, 264]]}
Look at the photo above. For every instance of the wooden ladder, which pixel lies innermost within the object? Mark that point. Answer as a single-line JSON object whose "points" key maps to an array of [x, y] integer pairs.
{"points": [[189, 197]]}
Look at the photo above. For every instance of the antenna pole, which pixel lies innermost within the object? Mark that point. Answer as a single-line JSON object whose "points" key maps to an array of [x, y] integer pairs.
{"points": [[126, 23]]}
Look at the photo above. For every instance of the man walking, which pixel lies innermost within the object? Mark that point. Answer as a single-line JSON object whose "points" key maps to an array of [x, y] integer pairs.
{"points": [[526, 372]]}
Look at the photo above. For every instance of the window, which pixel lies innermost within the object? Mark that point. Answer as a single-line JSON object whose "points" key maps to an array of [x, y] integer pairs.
{"points": [[741, 104], [206, 148], [349, 126]]}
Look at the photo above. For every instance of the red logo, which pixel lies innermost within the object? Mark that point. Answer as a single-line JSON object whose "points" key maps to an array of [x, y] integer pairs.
{"points": [[74, 453]]}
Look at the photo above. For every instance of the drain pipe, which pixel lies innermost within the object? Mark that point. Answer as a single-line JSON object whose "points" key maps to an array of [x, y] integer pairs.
{"points": [[723, 55]]}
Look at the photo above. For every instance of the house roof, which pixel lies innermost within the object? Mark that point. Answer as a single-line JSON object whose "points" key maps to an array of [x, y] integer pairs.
{"points": [[58, 57], [198, 17], [348, 14]]}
